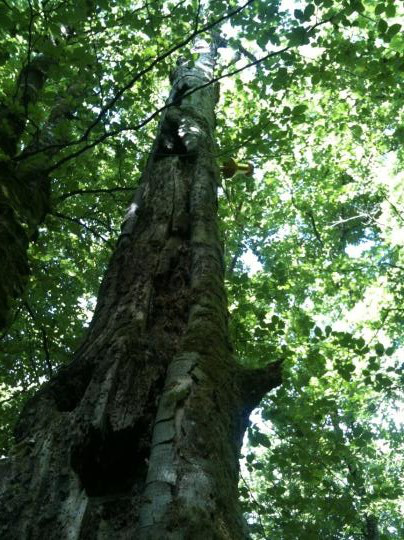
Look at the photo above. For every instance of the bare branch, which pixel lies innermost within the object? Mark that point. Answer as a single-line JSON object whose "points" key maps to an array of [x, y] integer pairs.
{"points": [[78, 222], [93, 192], [342, 221]]}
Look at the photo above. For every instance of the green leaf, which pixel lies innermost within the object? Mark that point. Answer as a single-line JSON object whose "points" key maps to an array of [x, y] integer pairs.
{"points": [[298, 13], [357, 131], [308, 12], [360, 342], [298, 36], [262, 41], [315, 79], [379, 349], [299, 109], [393, 30], [391, 10], [263, 439], [382, 26], [379, 9], [346, 374], [357, 6]]}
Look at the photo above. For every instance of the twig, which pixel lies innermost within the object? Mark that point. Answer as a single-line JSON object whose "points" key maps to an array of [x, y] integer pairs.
{"points": [[257, 505], [92, 192], [395, 209], [78, 222], [342, 221], [316, 233]]}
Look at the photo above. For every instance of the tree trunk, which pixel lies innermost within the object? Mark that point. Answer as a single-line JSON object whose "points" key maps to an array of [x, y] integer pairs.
{"points": [[24, 192], [24, 182], [371, 529], [139, 436]]}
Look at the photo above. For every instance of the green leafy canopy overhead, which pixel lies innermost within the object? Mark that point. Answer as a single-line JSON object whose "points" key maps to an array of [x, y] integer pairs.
{"points": [[311, 96]]}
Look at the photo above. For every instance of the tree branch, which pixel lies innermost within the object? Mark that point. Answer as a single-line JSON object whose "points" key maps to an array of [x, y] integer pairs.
{"points": [[255, 383], [342, 221], [152, 116], [122, 90], [157, 60], [78, 222], [395, 209], [316, 233], [65, 196]]}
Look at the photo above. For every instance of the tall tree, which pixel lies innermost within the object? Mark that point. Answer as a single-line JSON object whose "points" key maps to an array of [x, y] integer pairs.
{"points": [[122, 440], [317, 122]]}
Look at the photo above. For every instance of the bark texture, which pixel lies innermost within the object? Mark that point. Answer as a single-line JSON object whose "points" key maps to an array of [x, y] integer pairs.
{"points": [[139, 436]]}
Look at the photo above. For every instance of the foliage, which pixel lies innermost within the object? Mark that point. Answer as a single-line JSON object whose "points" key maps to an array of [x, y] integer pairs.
{"points": [[320, 118]]}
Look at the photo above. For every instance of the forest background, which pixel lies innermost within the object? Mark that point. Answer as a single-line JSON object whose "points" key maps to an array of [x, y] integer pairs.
{"points": [[310, 95]]}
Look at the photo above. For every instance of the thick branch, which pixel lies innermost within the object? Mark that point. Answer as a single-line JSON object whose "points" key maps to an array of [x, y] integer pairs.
{"points": [[255, 383]]}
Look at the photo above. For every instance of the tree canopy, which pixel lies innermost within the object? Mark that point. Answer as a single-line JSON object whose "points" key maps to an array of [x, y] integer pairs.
{"points": [[311, 96]]}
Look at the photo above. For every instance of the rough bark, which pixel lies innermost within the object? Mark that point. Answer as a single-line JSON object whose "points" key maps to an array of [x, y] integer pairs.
{"points": [[139, 436]]}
